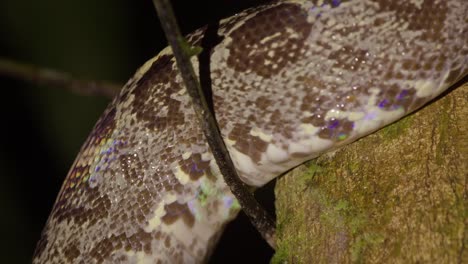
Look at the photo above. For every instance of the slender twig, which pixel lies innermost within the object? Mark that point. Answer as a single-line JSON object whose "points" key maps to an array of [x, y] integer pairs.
{"points": [[44, 76], [257, 214]]}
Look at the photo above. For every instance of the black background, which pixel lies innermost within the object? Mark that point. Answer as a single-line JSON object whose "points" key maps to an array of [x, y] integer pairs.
{"points": [[42, 128]]}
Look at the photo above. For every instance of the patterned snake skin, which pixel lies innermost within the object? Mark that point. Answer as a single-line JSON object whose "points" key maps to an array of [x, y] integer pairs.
{"points": [[290, 80]]}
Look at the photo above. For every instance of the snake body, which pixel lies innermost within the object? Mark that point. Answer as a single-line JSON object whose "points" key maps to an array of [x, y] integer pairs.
{"points": [[290, 80]]}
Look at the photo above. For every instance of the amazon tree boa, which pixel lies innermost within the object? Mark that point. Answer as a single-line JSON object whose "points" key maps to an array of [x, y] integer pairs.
{"points": [[290, 80]]}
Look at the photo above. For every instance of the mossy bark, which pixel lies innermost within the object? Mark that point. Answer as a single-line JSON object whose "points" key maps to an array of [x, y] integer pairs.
{"points": [[396, 196]]}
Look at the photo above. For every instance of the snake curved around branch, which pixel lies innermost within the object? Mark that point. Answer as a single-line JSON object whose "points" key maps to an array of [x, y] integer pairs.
{"points": [[290, 81]]}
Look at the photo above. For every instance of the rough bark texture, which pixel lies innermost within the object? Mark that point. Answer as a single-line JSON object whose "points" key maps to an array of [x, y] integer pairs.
{"points": [[396, 196]]}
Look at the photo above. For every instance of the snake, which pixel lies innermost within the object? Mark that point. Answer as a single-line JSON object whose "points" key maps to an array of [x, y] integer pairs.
{"points": [[290, 80]]}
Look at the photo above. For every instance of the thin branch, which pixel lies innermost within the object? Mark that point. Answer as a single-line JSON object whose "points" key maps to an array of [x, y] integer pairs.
{"points": [[44, 76], [257, 214]]}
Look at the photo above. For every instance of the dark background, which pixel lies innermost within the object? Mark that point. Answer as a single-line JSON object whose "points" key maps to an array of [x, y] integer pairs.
{"points": [[42, 128]]}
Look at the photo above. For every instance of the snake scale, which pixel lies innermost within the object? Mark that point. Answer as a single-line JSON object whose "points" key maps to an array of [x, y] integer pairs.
{"points": [[290, 80]]}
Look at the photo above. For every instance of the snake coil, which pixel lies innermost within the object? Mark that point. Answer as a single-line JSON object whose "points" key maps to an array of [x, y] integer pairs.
{"points": [[290, 80]]}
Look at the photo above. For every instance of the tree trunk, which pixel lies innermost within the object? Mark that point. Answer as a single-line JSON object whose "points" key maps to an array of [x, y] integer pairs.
{"points": [[396, 196]]}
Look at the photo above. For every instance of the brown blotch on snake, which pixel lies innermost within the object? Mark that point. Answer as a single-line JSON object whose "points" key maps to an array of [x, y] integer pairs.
{"points": [[174, 211], [255, 45]]}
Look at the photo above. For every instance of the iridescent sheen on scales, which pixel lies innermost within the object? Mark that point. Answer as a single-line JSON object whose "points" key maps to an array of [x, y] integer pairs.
{"points": [[290, 80]]}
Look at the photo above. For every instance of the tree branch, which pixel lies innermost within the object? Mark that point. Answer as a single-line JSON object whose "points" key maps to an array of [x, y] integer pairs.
{"points": [[49, 77], [257, 214]]}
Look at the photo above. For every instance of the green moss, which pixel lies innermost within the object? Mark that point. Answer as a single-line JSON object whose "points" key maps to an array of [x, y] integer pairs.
{"points": [[189, 49], [444, 127], [286, 244], [353, 167], [342, 205], [341, 214], [313, 169], [363, 242], [281, 255], [396, 129]]}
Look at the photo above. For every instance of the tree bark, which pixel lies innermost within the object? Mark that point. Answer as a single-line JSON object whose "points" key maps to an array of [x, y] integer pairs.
{"points": [[396, 196]]}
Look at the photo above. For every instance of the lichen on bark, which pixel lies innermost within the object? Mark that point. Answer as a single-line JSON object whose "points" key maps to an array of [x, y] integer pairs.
{"points": [[396, 196]]}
